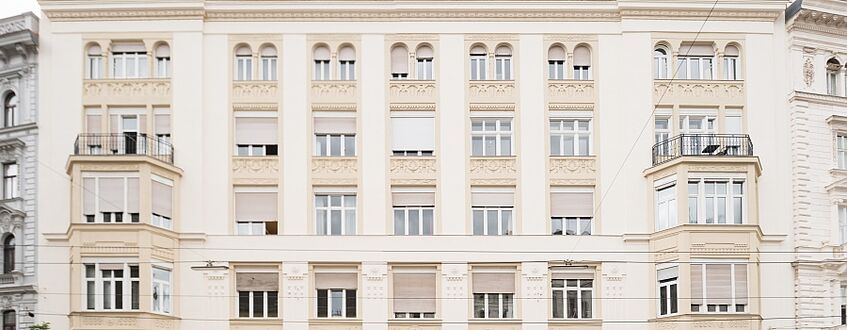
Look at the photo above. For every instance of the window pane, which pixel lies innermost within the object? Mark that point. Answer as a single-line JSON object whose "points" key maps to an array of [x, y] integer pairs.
{"points": [[337, 299], [558, 304], [572, 304], [493, 305], [673, 298], [427, 222], [492, 222], [506, 222], [321, 222], [349, 145], [476, 146], [663, 300], [399, 222], [243, 303], [557, 226], [585, 226], [508, 303], [351, 303], [350, 222], [335, 145], [555, 145], [414, 222], [583, 145], [258, 304], [490, 146], [570, 224], [479, 305], [586, 304], [90, 295], [335, 222], [272, 304], [568, 145], [320, 145], [322, 303], [478, 222], [506, 145], [737, 211]]}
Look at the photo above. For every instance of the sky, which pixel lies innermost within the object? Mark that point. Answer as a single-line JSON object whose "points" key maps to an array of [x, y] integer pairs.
{"points": [[14, 7]]}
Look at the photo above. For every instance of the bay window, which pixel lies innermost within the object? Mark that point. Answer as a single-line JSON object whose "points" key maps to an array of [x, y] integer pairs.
{"points": [[716, 201], [491, 137], [256, 136], [335, 136], [573, 295], [570, 137], [666, 212], [161, 290], [335, 214], [110, 198], [256, 210], [493, 295], [719, 288], [107, 285], [414, 293], [336, 293], [413, 212], [162, 197], [668, 290], [412, 136], [258, 294]]}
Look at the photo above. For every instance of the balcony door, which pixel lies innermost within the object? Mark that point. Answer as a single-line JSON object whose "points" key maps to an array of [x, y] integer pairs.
{"points": [[698, 134], [129, 133]]}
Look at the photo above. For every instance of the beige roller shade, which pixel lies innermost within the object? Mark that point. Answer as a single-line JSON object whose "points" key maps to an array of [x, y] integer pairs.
{"points": [[493, 198], [667, 273], [163, 51], [257, 281], [142, 124], [255, 131], [128, 47], [255, 206], [696, 284], [556, 53], [336, 281], [93, 124], [162, 199], [718, 284], [424, 52], [89, 197], [731, 51], [413, 133], [581, 56], [696, 50], [413, 198], [347, 53], [572, 204], [399, 60], [741, 293], [132, 195], [163, 124], [414, 293], [111, 193], [321, 54], [333, 125], [493, 282], [572, 275]]}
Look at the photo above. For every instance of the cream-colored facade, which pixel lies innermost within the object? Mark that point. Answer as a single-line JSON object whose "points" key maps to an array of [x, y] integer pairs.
{"points": [[415, 165]]}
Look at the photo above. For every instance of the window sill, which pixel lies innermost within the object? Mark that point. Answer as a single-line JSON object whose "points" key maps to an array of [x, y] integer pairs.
{"points": [[575, 321], [413, 320], [494, 157], [507, 321], [335, 320]]}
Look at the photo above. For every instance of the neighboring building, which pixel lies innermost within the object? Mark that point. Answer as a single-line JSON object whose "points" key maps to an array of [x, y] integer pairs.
{"points": [[817, 49], [18, 152], [389, 165]]}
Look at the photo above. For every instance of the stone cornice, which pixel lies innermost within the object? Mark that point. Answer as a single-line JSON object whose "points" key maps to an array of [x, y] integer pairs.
{"points": [[818, 98], [829, 20]]}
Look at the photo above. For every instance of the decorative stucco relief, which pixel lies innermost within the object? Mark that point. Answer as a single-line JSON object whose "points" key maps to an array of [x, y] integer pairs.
{"points": [[492, 92], [143, 91], [411, 92], [809, 72], [573, 168], [567, 91], [325, 92], [334, 166], [493, 171], [413, 168], [255, 91], [255, 167], [699, 92], [455, 280]]}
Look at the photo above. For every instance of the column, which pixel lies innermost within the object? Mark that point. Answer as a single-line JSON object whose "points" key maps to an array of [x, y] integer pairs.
{"points": [[452, 152], [531, 137], [371, 127], [295, 122]]}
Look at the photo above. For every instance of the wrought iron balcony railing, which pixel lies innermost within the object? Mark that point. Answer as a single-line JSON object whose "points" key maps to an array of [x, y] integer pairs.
{"points": [[708, 145], [122, 144]]}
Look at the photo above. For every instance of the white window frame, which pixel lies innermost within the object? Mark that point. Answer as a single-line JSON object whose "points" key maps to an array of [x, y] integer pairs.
{"points": [[95, 66], [731, 309], [832, 82], [503, 67], [582, 72], [704, 65], [322, 70], [347, 70], [98, 280], [329, 305], [425, 68], [487, 297], [497, 134], [478, 62], [578, 221], [420, 210], [556, 70], [670, 203], [663, 134], [163, 66], [485, 220], [243, 67], [268, 67], [841, 211], [841, 151], [665, 285], [98, 216], [346, 151], [160, 220], [563, 131], [702, 199], [251, 306], [125, 60], [11, 186], [343, 209], [579, 295], [732, 66], [165, 301], [661, 63]]}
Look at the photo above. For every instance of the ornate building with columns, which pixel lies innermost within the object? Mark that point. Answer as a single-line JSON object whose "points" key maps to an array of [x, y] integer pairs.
{"points": [[398, 164]]}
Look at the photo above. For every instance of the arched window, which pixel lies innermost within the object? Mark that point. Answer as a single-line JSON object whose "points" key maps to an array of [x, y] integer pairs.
{"points": [[10, 110], [731, 63], [243, 63], [503, 62], [9, 320], [581, 63], [94, 62], [696, 61], [268, 60], [478, 62], [660, 63], [556, 62], [321, 56], [399, 62], [833, 68], [424, 56], [163, 61], [346, 63], [9, 254]]}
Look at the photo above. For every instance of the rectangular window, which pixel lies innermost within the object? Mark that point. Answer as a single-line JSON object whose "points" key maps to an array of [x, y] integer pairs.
{"points": [[110, 199], [570, 137], [336, 294], [503, 67], [414, 294], [162, 197], [478, 67], [258, 294], [256, 210], [129, 65], [321, 70], [841, 151], [347, 70], [95, 67], [161, 290], [716, 201], [256, 136], [668, 290], [10, 111], [243, 67], [666, 207], [413, 212], [695, 67], [335, 136], [492, 220], [842, 223], [832, 82], [106, 283], [843, 305], [425, 69], [571, 212], [163, 66], [732, 68], [268, 64], [719, 288], [413, 136], [493, 295], [556, 69], [491, 137], [335, 214], [10, 181], [573, 296], [581, 72]]}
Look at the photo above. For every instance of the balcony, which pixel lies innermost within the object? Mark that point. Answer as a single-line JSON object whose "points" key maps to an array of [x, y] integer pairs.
{"points": [[123, 144], [702, 145]]}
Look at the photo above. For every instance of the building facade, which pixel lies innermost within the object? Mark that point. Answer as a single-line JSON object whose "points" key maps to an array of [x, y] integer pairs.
{"points": [[415, 165], [18, 152]]}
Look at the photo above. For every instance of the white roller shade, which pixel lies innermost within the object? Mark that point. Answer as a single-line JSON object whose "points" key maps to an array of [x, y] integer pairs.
{"points": [[493, 198], [132, 195], [111, 193], [399, 60], [414, 293], [413, 198], [94, 50], [268, 51], [128, 47], [163, 124], [424, 52], [556, 53], [413, 133], [741, 284], [667, 273], [719, 283], [347, 53], [581, 56], [493, 282], [696, 50], [572, 275], [331, 125], [478, 50], [255, 206], [572, 204], [93, 124], [255, 131], [696, 283], [162, 199], [322, 54], [336, 281], [257, 281], [503, 51], [163, 51], [89, 197], [243, 51], [733, 124]]}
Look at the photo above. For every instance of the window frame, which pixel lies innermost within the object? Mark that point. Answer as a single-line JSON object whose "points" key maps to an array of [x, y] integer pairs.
{"points": [[497, 134], [251, 306], [243, 67], [268, 65], [129, 302], [575, 133], [661, 63], [342, 208], [672, 205], [345, 150], [841, 151], [500, 210], [580, 291], [478, 67], [701, 200], [11, 110], [687, 63], [732, 308], [11, 181], [422, 226], [670, 287], [329, 303], [165, 301], [503, 67], [122, 60], [487, 296], [732, 67], [347, 70], [98, 215]]}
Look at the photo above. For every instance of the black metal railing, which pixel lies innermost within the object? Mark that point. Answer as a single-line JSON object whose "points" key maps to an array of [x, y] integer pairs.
{"points": [[715, 145], [121, 144]]}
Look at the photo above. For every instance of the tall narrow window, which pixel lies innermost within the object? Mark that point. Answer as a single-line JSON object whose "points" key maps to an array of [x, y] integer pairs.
{"points": [[424, 56], [129, 61], [412, 136], [162, 191], [833, 69], [256, 136], [491, 137], [582, 63], [161, 290], [662, 132], [843, 305], [163, 61], [413, 212], [570, 137], [571, 212], [493, 295], [492, 212], [573, 295], [258, 294], [10, 110], [732, 65], [347, 63], [696, 62], [660, 63], [10, 181], [414, 293], [556, 63], [243, 63], [10, 320], [335, 136], [256, 210], [94, 62], [479, 68], [9, 254], [162, 132], [718, 288], [399, 62], [268, 62], [842, 223], [503, 63], [335, 214], [321, 57], [666, 207], [336, 293], [668, 290]]}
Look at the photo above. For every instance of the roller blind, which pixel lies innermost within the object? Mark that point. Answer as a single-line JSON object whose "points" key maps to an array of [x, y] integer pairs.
{"points": [[503, 51], [741, 284], [255, 206], [572, 276], [163, 124], [731, 51], [413, 198], [478, 50], [89, 198], [399, 60], [581, 56], [163, 51], [132, 195], [257, 281], [111, 193], [347, 54], [127, 47], [667, 273], [556, 53], [92, 124], [243, 51], [105, 266], [94, 50], [696, 284], [572, 204], [334, 125], [696, 50], [162, 199], [336, 281], [414, 293], [718, 284], [268, 51], [424, 52], [493, 282], [322, 54], [255, 131], [413, 133], [492, 198]]}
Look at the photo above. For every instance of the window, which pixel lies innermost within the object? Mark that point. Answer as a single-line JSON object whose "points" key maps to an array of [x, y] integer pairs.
{"points": [[570, 137], [10, 181], [163, 61], [412, 136], [243, 63], [662, 132], [336, 294], [491, 137], [129, 60], [571, 212], [841, 151], [267, 62], [258, 294], [572, 295], [842, 223], [731, 63], [94, 62], [696, 62], [399, 62], [161, 290], [413, 212], [162, 131], [162, 191], [10, 110], [9, 254], [256, 210], [424, 56], [718, 288], [668, 290], [556, 63], [414, 294], [666, 207], [9, 320], [110, 199], [347, 63], [321, 58], [503, 63], [335, 136], [493, 295], [105, 284], [479, 67], [833, 69], [335, 214], [581, 63], [256, 136], [701, 128], [716, 201], [660, 63], [492, 211], [843, 305]]}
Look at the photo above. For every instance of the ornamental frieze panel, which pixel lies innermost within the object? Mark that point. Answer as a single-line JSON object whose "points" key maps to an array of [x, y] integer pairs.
{"points": [[495, 168], [255, 91], [255, 167], [497, 92], [335, 170], [334, 92], [127, 91], [405, 92], [699, 92], [573, 168], [413, 168], [570, 91]]}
